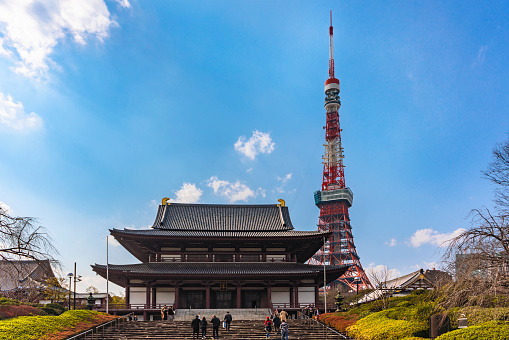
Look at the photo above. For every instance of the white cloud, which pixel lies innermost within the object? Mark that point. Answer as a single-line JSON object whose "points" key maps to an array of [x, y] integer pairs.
{"points": [[259, 142], [393, 273], [124, 3], [189, 193], [429, 265], [12, 115], [32, 28], [5, 207], [232, 191], [112, 241], [249, 170], [423, 236], [392, 242]]}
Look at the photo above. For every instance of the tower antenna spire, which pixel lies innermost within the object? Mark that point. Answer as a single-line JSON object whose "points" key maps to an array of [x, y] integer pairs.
{"points": [[331, 49]]}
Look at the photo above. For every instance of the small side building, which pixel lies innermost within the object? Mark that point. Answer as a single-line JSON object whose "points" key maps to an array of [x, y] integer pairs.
{"points": [[220, 256]]}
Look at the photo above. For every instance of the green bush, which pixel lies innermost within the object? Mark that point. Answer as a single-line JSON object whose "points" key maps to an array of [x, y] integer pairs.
{"points": [[6, 301], [35, 327], [53, 309], [492, 330]]}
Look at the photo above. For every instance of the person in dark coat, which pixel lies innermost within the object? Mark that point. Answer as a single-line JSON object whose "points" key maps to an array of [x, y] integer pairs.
{"points": [[171, 313], [277, 322], [203, 326], [228, 319], [215, 326], [195, 324]]}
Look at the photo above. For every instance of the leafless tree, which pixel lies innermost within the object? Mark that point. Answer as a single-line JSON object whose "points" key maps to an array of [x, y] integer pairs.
{"points": [[22, 239], [379, 277], [479, 260], [498, 173], [23, 242]]}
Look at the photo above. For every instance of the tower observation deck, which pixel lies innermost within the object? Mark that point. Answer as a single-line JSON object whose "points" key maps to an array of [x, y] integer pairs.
{"points": [[335, 198]]}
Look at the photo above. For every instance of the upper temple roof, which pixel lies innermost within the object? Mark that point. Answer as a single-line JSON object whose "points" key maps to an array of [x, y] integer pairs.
{"points": [[215, 217]]}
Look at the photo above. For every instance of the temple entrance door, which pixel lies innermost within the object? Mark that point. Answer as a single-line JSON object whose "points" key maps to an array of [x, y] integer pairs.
{"points": [[223, 300], [251, 299], [196, 299]]}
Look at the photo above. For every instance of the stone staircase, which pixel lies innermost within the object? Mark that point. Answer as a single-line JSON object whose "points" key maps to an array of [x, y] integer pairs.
{"points": [[237, 314], [240, 330]]}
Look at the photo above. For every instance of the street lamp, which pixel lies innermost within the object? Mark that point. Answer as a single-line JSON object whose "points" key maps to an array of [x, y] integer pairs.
{"points": [[70, 282]]}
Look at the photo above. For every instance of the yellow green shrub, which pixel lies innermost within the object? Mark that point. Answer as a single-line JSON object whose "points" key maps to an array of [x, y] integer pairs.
{"points": [[493, 330], [35, 327]]}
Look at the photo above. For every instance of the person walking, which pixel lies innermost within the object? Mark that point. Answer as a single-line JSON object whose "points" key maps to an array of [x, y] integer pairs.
{"points": [[277, 322], [284, 331], [171, 313], [195, 324], [228, 319], [268, 327], [203, 326], [164, 313], [284, 315], [215, 326]]}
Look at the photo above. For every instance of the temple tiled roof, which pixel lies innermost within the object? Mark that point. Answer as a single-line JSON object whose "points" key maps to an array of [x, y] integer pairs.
{"points": [[221, 269], [214, 217], [218, 233]]}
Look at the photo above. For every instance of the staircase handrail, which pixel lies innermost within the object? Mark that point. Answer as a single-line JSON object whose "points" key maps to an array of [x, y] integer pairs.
{"points": [[311, 319], [116, 321]]}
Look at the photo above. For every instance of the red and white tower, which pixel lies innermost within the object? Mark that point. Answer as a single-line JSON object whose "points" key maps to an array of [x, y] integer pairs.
{"points": [[335, 198]]}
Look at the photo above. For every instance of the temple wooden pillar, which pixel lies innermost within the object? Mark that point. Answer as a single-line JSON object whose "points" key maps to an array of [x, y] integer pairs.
{"points": [[207, 296], [269, 295], [147, 299], [239, 294], [296, 292], [176, 304], [154, 302], [292, 296], [127, 296]]}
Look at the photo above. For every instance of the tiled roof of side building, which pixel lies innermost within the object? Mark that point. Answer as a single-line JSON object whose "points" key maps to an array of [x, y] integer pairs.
{"points": [[207, 217], [219, 233]]}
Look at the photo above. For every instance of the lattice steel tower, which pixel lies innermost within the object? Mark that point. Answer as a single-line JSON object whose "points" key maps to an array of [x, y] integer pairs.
{"points": [[335, 198]]}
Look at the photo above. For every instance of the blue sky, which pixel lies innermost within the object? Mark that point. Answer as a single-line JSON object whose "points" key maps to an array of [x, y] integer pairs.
{"points": [[106, 107]]}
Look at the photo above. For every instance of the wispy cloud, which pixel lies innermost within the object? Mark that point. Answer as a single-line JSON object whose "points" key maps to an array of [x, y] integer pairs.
{"points": [[13, 116], [391, 243], [112, 241], [188, 193], [259, 142], [430, 236], [481, 55], [31, 29], [234, 192], [283, 181]]}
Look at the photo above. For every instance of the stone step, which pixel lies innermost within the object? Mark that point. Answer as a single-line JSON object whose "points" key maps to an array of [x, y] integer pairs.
{"points": [[241, 329]]}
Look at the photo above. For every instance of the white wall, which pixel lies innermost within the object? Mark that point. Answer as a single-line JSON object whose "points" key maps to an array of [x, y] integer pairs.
{"points": [[306, 295], [280, 295], [165, 296], [138, 295]]}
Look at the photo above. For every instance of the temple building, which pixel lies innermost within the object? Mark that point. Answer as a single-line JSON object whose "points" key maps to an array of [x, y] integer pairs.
{"points": [[220, 256]]}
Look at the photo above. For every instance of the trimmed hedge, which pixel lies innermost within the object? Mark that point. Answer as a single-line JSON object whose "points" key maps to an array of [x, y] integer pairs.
{"points": [[379, 326], [493, 330], [35, 327], [339, 322]]}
